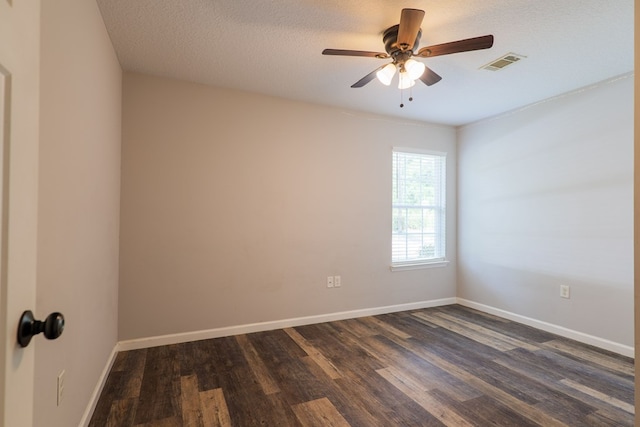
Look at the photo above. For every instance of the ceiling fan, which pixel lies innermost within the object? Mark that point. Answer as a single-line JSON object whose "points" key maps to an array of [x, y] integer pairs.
{"points": [[400, 42]]}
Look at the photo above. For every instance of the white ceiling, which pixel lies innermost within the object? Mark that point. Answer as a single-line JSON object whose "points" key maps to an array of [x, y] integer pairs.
{"points": [[274, 47]]}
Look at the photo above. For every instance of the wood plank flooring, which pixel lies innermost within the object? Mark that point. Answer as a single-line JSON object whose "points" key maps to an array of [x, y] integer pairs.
{"points": [[450, 366]]}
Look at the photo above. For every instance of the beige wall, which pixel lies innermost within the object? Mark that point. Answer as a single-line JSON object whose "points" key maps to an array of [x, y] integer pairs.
{"points": [[546, 199], [78, 218], [236, 207]]}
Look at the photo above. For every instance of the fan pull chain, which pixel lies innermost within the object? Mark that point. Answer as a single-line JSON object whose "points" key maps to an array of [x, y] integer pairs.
{"points": [[410, 97]]}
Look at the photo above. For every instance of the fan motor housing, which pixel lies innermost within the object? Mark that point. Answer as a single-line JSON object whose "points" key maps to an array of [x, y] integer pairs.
{"points": [[390, 39]]}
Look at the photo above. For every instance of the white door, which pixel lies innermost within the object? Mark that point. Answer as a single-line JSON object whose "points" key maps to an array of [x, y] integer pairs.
{"points": [[19, 123]]}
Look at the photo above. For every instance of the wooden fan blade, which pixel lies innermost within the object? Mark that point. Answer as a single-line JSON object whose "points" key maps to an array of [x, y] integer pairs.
{"points": [[366, 79], [475, 43], [345, 52], [429, 77], [410, 21]]}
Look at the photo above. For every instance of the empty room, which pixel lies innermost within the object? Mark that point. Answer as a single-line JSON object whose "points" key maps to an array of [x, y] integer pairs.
{"points": [[313, 213]]}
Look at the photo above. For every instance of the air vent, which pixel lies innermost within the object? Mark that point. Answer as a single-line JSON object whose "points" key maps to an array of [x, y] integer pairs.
{"points": [[503, 62]]}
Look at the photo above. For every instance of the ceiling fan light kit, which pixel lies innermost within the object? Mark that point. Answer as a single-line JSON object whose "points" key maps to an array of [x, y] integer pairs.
{"points": [[400, 42], [405, 81], [386, 73], [414, 68]]}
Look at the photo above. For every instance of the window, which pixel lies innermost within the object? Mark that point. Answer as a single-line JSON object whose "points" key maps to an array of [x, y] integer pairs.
{"points": [[418, 207]]}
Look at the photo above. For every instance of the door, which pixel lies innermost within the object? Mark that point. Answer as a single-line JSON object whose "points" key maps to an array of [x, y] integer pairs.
{"points": [[19, 123]]}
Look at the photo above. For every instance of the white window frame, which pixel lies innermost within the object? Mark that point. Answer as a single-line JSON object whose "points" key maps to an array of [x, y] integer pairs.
{"points": [[438, 207]]}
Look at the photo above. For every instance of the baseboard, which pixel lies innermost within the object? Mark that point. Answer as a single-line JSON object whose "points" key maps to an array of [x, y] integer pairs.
{"points": [[615, 347], [277, 324], [93, 401], [300, 321]]}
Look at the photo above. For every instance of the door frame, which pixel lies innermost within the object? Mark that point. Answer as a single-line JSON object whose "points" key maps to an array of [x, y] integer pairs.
{"points": [[19, 141]]}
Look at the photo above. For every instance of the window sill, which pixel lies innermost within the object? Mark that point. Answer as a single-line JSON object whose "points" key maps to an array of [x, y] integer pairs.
{"points": [[419, 265]]}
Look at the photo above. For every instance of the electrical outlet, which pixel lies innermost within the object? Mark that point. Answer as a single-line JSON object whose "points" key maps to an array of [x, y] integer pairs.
{"points": [[565, 291], [337, 281], [60, 388], [330, 282]]}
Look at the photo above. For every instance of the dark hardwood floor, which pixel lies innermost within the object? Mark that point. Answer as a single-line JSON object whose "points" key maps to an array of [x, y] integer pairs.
{"points": [[449, 366]]}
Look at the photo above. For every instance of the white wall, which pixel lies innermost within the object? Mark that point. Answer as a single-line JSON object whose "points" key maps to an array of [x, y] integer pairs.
{"points": [[236, 207], [546, 198], [78, 217]]}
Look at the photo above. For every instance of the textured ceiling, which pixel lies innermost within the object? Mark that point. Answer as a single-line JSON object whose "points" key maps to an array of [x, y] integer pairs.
{"points": [[274, 47]]}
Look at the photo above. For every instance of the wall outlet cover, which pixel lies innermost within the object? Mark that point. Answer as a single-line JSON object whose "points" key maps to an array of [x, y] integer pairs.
{"points": [[60, 393], [329, 281]]}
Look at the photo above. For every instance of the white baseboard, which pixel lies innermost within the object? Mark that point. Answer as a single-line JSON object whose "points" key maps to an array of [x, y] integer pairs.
{"points": [[276, 324], [300, 321], [93, 401], [241, 329], [615, 347]]}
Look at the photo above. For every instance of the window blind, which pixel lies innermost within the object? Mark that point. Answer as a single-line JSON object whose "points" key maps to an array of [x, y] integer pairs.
{"points": [[418, 207]]}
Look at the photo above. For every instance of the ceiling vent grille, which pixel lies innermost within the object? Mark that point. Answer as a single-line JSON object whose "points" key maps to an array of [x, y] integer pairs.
{"points": [[503, 62]]}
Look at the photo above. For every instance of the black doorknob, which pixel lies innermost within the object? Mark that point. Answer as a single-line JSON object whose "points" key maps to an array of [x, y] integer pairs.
{"points": [[29, 326]]}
